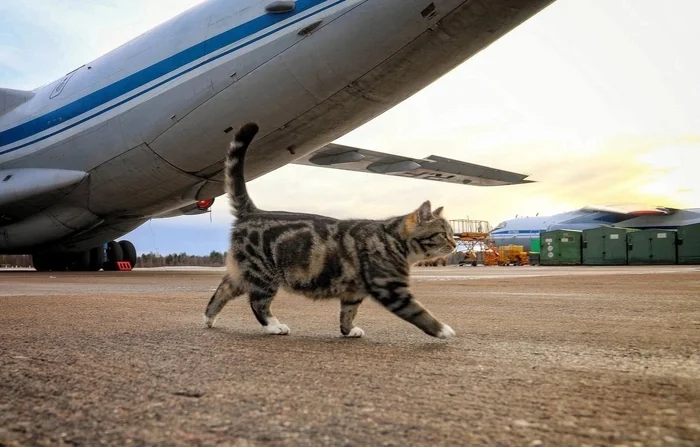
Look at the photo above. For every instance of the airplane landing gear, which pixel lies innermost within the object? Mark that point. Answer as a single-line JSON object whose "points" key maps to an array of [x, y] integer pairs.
{"points": [[129, 252], [97, 259], [88, 260], [114, 254]]}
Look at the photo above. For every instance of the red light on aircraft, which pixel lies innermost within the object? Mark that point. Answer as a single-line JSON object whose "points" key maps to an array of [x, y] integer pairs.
{"points": [[205, 204]]}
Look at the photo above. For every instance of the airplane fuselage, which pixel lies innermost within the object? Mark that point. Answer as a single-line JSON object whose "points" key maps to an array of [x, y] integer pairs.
{"points": [[148, 123]]}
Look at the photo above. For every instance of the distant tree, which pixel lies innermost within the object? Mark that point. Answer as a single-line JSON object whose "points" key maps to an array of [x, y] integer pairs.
{"points": [[216, 257]]}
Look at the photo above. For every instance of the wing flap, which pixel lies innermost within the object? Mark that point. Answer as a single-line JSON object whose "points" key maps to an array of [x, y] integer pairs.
{"points": [[434, 168]]}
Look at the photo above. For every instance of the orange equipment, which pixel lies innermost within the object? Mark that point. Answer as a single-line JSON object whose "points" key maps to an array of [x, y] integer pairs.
{"points": [[512, 255]]}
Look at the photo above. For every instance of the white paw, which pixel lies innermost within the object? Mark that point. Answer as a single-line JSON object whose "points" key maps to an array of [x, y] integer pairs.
{"points": [[446, 332], [355, 332], [209, 322], [277, 329]]}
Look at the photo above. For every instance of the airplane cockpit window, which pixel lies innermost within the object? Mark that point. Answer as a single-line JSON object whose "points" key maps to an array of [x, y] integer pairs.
{"points": [[500, 226]]}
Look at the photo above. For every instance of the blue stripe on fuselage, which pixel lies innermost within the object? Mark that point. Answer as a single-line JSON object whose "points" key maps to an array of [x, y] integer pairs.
{"points": [[514, 232], [149, 74]]}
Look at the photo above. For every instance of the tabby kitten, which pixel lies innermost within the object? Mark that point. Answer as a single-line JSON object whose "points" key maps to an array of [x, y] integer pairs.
{"points": [[321, 257]]}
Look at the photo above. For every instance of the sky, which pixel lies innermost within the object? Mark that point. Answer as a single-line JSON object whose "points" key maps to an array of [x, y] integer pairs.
{"points": [[597, 100]]}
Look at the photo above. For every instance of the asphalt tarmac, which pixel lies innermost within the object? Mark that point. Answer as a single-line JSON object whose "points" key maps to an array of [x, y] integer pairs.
{"points": [[542, 356]]}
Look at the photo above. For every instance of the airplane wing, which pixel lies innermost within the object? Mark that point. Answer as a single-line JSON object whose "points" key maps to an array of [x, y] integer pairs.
{"points": [[436, 168], [630, 209], [9, 98]]}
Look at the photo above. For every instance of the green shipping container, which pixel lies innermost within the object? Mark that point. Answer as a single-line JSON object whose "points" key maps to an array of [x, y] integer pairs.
{"points": [[604, 246], [535, 245], [689, 244], [646, 247], [560, 247]]}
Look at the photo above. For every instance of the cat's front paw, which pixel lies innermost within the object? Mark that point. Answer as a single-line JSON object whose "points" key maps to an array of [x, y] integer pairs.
{"points": [[445, 332], [355, 332], [277, 329]]}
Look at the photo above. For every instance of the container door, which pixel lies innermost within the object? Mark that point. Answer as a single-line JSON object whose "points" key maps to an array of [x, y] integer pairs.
{"points": [[548, 253], [689, 244], [663, 247], [592, 247], [570, 248], [615, 247], [604, 247], [638, 245]]}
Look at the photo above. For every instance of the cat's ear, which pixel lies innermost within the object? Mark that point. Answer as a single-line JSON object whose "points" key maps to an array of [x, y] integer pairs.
{"points": [[438, 212], [424, 212]]}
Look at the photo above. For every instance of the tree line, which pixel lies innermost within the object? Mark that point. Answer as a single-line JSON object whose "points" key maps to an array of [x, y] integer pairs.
{"points": [[149, 260], [146, 260]]}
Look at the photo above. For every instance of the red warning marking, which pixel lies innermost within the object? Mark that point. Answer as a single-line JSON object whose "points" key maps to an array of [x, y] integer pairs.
{"points": [[124, 266]]}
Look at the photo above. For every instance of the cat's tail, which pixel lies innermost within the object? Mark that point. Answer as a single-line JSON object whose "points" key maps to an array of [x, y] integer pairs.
{"points": [[235, 164]]}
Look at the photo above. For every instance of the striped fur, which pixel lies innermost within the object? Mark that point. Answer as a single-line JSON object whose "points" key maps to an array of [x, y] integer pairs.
{"points": [[321, 257], [234, 170]]}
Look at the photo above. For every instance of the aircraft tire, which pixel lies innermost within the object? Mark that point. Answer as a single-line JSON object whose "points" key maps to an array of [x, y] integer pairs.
{"points": [[97, 259], [41, 263], [60, 262], [114, 255], [81, 261], [129, 252]]}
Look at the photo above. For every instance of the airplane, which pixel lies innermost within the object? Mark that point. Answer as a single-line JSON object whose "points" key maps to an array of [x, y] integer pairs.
{"points": [[141, 132], [523, 230]]}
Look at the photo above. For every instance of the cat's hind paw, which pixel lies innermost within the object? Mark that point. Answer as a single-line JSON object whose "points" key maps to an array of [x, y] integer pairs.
{"points": [[445, 333], [277, 329], [355, 332]]}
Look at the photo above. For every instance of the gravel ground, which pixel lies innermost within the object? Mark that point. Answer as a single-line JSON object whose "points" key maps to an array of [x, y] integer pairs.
{"points": [[569, 356]]}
